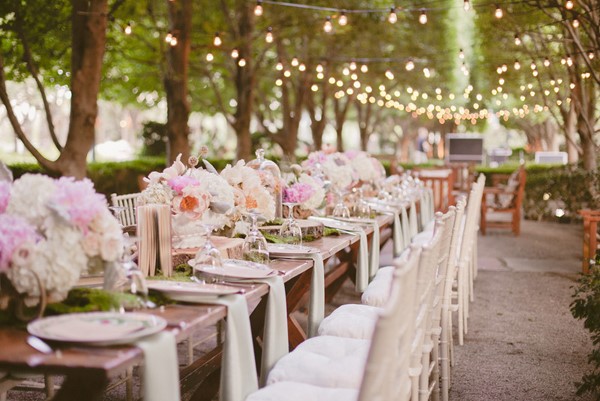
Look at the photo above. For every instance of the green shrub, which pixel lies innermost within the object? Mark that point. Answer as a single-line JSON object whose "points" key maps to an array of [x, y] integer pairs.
{"points": [[586, 307], [155, 139]]}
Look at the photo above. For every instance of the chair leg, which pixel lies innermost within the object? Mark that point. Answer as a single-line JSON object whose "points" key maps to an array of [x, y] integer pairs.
{"points": [[424, 377], [471, 278], [435, 373], [49, 386], [444, 359]]}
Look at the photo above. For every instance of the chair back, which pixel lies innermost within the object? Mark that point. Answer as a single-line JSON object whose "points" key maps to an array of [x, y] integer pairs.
{"points": [[386, 372], [453, 251], [127, 216]]}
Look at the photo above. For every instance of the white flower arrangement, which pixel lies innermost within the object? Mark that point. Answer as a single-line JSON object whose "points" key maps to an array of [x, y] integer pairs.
{"points": [[55, 229]]}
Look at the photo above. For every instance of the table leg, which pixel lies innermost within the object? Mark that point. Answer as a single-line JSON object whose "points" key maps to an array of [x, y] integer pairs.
{"points": [[89, 386]]}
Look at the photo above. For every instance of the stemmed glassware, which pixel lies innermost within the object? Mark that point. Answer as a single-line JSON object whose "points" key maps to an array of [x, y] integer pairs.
{"points": [[361, 207], [340, 209], [290, 229], [255, 245], [117, 212], [208, 257]]}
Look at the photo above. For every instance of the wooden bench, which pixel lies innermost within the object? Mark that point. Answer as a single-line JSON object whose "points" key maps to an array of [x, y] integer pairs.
{"points": [[590, 237], [504, 199]]}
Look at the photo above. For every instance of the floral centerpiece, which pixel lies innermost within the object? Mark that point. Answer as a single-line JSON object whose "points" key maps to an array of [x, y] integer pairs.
{"points": [[195, 195], [249, 193], [336, 167], [306, 191], [52, 231]]}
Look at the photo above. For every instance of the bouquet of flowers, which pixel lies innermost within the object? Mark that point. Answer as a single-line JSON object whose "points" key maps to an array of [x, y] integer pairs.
{"points": [[366, 168], [194, 194], [52, 231], [305, 190], [336, 167], [249, 193]]}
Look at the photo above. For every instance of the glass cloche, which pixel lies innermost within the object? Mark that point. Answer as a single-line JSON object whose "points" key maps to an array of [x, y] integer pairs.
{"points": [[270, 177]]}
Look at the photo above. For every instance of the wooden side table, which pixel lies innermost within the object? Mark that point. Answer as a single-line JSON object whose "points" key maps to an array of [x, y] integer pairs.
{"points": [[590, 236]]}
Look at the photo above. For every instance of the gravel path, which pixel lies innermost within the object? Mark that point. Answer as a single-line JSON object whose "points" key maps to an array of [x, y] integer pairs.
{"points": [[523, 343]]}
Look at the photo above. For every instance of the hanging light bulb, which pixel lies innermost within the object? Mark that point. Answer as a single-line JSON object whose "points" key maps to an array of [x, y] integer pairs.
{"points": [[258, 10], [353, 66], [173, 41], [128, 29], [242, 62], [535, 73], [426, 72], [269, 35], [343, 20], [467, 5], [517, 40], [346, 71], [302, 67], [591, 55], [235, 53], [364, 68], [461, 54], [575, 23], [217, 41], [328, 27], [295, 62], [533, 66], [319, 68], [517, 65], [423, 17], [410, 65], [210, 57], [498, 13], [389, 75], [393, 18], [169, 37], [546, 62], [569, 5], [279, 66], [569, 61]]}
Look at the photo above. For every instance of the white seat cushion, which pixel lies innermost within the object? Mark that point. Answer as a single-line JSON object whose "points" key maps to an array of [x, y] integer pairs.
{"points": [[325, 361], [292, 391], [378, 291], [422, 238], [351, 321], [429, 227]]}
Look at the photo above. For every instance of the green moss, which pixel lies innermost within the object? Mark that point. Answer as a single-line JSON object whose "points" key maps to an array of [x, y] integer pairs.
{"points": [[92, 300]]}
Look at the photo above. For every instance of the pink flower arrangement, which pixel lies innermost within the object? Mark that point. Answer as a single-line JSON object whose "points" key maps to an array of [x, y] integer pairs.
{"points": [[15, 234], [192, 202], [178, 183], [4, 195], [80, 201], [298, 193]]}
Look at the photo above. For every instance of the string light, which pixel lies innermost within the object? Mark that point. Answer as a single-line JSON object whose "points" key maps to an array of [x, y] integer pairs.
{"points": [[173, 42], [235, 53], [128, 29], [242, 62], [426, 72], [575, 23], [295, 62], [517, 65], [343, 20], [319, 68], [328, 27], [258, 10], [389, 75], [533, 66], [410, 65], [467, 5], [210, 57], [287, 73], [364, 67], [269, 35], [546, 62], [353, 66], [423, 17], [517, 40], [499, 13], [169, 37], [591, 55], [302, 67], [217, 41], [569, 5], [569, 61], [393, 18], [279, 66], [461, 54]]}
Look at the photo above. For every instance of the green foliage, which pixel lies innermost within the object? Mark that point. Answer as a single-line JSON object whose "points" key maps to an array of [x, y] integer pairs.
{"points": [[155, 139], [92, 300], [586, 307], [551, 187]]}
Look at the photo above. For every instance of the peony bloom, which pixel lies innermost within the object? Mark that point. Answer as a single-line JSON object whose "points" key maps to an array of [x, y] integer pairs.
{"points": [[193, 202], [298, 193], [17, 237], [79, 200], [178, 183]]}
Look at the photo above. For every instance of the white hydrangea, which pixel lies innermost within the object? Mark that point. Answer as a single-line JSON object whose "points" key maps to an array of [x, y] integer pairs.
{"points": [[31, 207], [364, 168], [156, 193], [317, 198]]}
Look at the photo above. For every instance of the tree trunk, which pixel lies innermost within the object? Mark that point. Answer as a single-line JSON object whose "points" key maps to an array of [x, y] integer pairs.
{"points": [[317, 125], [89, 21], [176, 80], [570, 124], [244, 84]]}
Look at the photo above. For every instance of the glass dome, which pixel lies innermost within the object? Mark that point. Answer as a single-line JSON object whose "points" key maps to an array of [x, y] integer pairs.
{"points": [[270, 176]]}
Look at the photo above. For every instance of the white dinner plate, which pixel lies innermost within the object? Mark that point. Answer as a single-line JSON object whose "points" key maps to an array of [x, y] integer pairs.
{"points": [[97, 328], [190, 292], [283, 250], [235, 268]]}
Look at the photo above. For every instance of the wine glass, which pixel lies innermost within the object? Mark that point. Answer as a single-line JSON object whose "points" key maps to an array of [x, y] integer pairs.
{"points": [[290, 229], [340, 209], [255, 245], [361, 207], [117, 211], [208, 258]]}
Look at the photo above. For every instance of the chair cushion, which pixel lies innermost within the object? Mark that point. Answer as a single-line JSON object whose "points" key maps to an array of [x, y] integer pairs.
{"points": [[351, 321], [325, 361], [293, 391], [378, 291], [422, 238]]}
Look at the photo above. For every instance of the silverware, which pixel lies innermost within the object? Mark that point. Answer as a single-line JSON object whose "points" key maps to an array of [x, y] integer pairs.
{"points": [[39, 345]]}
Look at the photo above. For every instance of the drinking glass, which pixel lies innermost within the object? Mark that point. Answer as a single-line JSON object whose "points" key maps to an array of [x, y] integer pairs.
{"points": [[290, 229], [255, 245], [208, 257], [340, 209], [361, 207]]}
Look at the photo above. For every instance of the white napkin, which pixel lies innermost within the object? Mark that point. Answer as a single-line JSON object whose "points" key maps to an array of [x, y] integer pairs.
{"points": [[275, 332], [160, 376], [413, 220], [316, 304], [406, 237]]}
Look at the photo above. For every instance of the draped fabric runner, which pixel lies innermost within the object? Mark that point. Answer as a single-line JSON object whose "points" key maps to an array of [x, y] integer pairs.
{"points": [[160, 377]]}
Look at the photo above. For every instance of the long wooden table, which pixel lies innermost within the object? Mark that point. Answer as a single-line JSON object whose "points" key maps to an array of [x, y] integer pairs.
{"points": [[89, 370]]}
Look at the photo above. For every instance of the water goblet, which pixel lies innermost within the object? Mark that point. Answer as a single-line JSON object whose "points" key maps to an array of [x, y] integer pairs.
{"points": [[208, 258], [254, 248], [340, 209], [361, 207], [290, 229]]}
